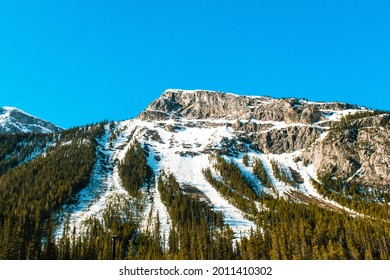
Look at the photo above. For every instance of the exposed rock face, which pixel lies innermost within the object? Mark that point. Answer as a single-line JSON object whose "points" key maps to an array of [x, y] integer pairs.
{"points": [[286, 140], [358, 152], [271, 125], [13, 120], [200, 104], [271, 138], [196, 105], [289, 111]]}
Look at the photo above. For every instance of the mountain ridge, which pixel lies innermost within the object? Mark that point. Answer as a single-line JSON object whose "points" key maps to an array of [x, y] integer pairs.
{"points": [[214, 104], [181, 128], [237, 160], [14, 120]]}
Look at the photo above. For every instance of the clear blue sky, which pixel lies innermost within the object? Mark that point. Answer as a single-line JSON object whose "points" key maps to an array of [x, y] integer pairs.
{"points": [[74, 62]]}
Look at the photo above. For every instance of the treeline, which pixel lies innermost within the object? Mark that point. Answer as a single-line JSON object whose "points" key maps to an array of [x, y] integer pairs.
{"points": [[350, 120], [372, 202], [117, 236], [17, 148], [284, 230], [36, 189], [349, 125], [233, 186], [197, 232], [290, 230], [297, 231], [282, 175]]}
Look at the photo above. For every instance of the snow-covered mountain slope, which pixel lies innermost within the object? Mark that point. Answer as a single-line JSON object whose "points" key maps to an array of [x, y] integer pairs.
{"points": [[180, 153], [182, 130], [14, 120]]}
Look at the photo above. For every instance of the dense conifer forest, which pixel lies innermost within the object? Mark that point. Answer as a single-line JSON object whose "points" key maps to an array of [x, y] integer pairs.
{"points": [[31, 192]]}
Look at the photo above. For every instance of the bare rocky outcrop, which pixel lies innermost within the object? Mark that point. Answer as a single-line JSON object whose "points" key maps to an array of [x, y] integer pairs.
{"points": [[197, 105], [269, 138], [289, 111], [269, 124], [201, 104], [357, 153], [286, 140]]}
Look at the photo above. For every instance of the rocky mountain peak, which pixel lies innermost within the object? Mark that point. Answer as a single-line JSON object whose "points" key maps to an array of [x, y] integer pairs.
{"points": [[205, 104], [197, 104], [14, 120], [337, 138]]}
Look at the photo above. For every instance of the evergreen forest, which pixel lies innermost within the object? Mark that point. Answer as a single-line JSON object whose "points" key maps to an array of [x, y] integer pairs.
{"points": [[34, 186]]}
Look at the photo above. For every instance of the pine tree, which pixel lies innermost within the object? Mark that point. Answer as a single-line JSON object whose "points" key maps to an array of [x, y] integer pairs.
{"points": [[50, 249]]}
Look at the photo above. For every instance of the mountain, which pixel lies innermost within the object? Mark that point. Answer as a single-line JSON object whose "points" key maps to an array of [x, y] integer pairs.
{"points": [[203, 175], [286, 126], [13, 120]]}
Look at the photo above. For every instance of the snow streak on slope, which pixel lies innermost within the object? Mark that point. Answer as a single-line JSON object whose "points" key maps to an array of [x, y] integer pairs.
{"points": [[166, 152], [336, 115], [286, 161], [182, 147], [180, 153], [104, 184], [310, 173]]}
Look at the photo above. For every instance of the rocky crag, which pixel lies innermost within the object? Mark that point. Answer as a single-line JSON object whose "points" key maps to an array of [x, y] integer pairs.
{"points": [[351, 148]]}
